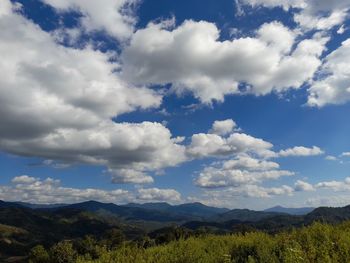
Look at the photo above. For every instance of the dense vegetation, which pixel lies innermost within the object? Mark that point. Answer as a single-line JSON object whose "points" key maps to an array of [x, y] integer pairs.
{"points": [[159, 232], [316, 243]]}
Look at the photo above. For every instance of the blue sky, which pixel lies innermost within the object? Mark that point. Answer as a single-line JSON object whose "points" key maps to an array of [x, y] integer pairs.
{"points": [[231, 103]]}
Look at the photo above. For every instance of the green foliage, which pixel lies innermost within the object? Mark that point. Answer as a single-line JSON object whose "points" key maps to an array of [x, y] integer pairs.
{"points": [[318, 243], [38, 254], [63, 252], [88, 247], [113, 238]]}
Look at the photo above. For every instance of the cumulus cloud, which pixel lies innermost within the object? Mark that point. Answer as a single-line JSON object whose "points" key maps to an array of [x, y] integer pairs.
{"points": [[248, 163], [301, 151], [261, 192], [44, 191], [130, 176], [192, 58], [112, 16], [248, 191], [246, 159], [58, 103], [34, 190], [205, 145], [243, 170], [335, 200], [331, 158], [301, 186], [341, 30], [23, 179], [285, 4], [222, 141], [160, 195], [309, 14], [212, 177], [335, 185], [346, 154], [333, 88], [223, 127]]}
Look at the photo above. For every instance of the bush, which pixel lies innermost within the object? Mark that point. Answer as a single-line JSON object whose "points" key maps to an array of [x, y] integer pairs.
{"points": [[63, 252], [318, 243], [38, 254]]}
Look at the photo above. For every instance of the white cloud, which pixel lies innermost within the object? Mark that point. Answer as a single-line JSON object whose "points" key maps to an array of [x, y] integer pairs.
{"points": [[333, 88], [335, 185], [331, 158], [309, 20], [23, 179], [245, 143], [346, 154], [130, 176], [243, 170], [203, 145], [285, 4], [247, 191], [310, 14], [34, 190], [191, 58], [341, 30], [223, 127], [50, 191], [235, 143], [58, 103], [113, 16], [212, 177], [301, 151], [246, 162], [160, 195], [335, 201], [301, 186]]}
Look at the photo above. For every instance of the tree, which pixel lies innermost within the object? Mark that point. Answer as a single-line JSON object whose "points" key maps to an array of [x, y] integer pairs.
{"points": [[114, 237], [88, 246], [38, 254], [63, 252]]}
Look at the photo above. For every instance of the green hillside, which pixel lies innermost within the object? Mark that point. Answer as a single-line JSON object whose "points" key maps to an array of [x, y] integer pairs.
{"points": [[316, 243]]}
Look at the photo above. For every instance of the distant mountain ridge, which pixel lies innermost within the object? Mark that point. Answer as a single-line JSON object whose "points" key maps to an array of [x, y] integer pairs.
{"points": [[290, 211], [152, 216], [159, 214], [243, 215], [189, 209]]}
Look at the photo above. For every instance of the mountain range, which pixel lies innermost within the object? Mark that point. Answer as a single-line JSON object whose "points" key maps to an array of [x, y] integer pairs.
{"points": [[23, 225]]}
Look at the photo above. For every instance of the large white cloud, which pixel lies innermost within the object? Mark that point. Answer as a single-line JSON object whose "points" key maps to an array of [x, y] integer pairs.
{"points": [[212, 177], [334, 86], [248, 163], [285, 4], [206, 145], [58, 103], [48, 190], [229, 196], [34, 190], [240, 168], [300, 186], [222, 141], [191, 58], [310, 14], [301, 151], [160, 195], [113, 16], [335, 185], [223, 127], [238, 172]]}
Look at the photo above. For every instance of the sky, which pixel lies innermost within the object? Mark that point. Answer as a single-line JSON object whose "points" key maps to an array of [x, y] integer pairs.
{"points": [[232, 103]]}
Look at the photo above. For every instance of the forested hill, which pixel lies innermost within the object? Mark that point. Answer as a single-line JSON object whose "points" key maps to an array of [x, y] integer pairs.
{"points": [[25, 225]]}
